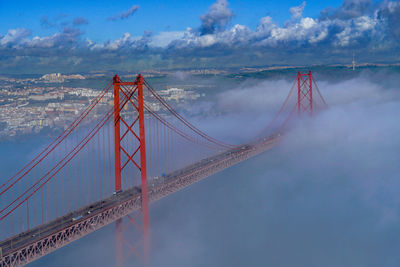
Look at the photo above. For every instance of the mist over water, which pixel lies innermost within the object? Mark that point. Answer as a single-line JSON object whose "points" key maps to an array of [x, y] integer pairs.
{"points": [[327, 196]]}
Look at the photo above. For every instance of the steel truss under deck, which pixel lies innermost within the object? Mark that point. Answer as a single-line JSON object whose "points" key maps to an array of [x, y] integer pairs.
{"points": [[26, 253]]}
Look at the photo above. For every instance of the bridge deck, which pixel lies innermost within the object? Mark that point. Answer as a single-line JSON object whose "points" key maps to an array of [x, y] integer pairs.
{"points": [[39, 241]]}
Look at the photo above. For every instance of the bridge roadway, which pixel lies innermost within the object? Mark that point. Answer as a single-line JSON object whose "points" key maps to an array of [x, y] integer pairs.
{"points": [[44, 239]]}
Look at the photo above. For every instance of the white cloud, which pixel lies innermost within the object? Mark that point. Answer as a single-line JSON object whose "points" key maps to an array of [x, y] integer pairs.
{"points": [[15, 37], [218, 16], [356, 24], [297, 11], [163, 39], [125, 14]]}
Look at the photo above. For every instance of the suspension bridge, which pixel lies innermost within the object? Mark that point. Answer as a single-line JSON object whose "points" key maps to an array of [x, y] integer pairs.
{"points": [[114, 160]]}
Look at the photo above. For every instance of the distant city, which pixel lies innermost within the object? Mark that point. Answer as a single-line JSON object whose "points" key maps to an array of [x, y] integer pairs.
{"points": [[34, 105], [49, 103]]}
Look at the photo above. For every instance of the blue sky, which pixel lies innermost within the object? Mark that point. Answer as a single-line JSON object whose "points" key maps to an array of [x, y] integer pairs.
{"points": [[155, 16], [75, 36]]}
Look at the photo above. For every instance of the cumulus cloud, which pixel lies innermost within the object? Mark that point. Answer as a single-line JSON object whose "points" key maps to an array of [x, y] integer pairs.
{"points": [[54, 22], [80, 21], [390, 13], [125, 14], [46, 23], [126, 42], [15, 37], [217, 18], [66, 39], [297, 11], [371, 29], [335, 31], [349, 9], [163, 39]]}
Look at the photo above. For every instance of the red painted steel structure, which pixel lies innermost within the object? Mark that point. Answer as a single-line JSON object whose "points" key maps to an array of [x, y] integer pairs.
{"points": [[305, 93], [141, 166], [117, 134], [57, 231]]}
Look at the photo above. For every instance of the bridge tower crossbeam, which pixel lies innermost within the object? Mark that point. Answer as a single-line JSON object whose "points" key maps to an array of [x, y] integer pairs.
{"points": [[133, 93], [305, 93]]}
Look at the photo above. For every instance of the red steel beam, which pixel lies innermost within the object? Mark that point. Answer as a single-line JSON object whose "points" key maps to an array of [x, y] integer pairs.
{"points": [[142, 146], [298, 91], [145, 200], [304, 87], [311, 96], [117, 137]]}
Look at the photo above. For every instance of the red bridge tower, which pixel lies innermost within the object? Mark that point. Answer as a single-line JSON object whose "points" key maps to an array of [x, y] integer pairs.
{"points": [[304, 93], [135, 98]]}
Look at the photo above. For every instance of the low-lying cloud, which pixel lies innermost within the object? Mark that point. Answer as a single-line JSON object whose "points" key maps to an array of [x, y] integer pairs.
{"points": [[326, 196]]}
